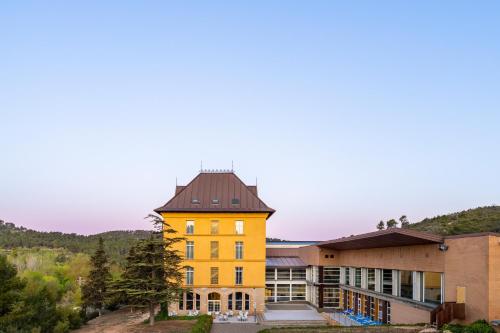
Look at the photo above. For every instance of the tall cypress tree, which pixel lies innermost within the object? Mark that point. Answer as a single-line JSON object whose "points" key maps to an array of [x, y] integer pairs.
{"points": [[94, 291], [153, 271]]}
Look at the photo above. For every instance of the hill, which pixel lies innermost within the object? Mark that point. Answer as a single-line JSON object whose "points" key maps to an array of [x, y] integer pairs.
{"points": [[117, 243], [481, 219]]}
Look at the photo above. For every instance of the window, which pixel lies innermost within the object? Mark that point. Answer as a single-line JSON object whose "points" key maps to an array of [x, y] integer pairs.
{"points": [[189, 227], [215, 201], [270, 292], [192, 301], [432, 287], [214, 227], [283, 273], [239, 227], [235, 201], [214, 275], [387, 281], [189, 249], [406, 284], [238, 275], [298, 292], [283, 292], [270, 275], [371, 279], [331, 275], [189, 275], [357, 277], [195, 201], [214, 250], [331, 297], [238, 301], [230, 301], [213, 302], [239, 250], [298, 274], [347, 276]]}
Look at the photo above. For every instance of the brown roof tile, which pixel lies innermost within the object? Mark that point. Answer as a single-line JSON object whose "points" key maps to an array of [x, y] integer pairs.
{"points": [[200, 193]]}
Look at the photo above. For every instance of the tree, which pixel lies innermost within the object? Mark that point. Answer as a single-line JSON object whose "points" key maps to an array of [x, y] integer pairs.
{"points": [[404, 221], [153, 271], [94, 290], [392, 223], [381, 225], [11, 286]]}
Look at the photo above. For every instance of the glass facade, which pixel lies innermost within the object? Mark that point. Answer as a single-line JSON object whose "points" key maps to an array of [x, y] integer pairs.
{"points": [[387, 281]]}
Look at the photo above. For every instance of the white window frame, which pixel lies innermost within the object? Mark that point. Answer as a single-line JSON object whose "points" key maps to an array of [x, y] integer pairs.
{"points": [[189, 254], [189, 276], [238, 249]]}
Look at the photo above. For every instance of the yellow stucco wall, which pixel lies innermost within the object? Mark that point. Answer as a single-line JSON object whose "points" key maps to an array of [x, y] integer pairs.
{"points": [[253, 238]]}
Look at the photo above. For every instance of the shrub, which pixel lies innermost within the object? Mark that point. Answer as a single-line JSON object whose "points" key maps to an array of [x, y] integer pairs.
{"points": [[203, 324], [453, 328], [480, 326], [61, 327]]}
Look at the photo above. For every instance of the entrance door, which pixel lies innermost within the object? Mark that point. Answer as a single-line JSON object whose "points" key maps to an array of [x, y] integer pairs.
{"points": [[214, 302]]}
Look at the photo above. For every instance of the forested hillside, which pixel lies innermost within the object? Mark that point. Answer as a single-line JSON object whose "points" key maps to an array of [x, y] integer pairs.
{"points": [[481, 219], [117, 243]]}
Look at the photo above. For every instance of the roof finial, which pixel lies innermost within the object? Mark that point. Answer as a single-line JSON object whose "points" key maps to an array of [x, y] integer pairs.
{"points": [[232, 166], [201, 166]]}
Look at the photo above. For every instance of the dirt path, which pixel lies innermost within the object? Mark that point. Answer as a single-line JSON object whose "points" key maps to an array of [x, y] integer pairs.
{"points": [[123, 321]]}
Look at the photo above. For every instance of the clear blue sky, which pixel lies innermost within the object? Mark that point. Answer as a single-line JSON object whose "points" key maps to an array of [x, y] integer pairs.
{"points": [[347, 112]]}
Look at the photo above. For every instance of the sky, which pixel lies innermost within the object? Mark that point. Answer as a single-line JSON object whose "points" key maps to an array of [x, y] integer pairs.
{"points": [[346, 112]]}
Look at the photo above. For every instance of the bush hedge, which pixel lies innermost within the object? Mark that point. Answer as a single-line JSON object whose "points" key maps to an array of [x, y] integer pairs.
{"points": [[480, 326], [203, 324]]}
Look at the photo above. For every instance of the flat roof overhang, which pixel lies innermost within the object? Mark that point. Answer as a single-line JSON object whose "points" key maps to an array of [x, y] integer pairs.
{"points": [[384, 238]]}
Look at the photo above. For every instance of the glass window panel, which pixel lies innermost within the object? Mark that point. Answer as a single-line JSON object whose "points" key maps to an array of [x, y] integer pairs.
{"points": [[331, 297], [357, 277], [432, 291], [283, 292], [283, 274], [239, 275], [214, 250], [406, 284], [189, 249], [214, 275], [239, 227], [270, 274], [239, 250], [387, 281], [371, 278], [189, 275], [331, 275], [214, 227], [189, 227], [298, 274], [270, 292], [298, 292]]}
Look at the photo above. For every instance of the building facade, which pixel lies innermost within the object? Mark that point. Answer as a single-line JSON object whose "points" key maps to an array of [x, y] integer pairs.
{"points": [[223, 223], [403, 276]]}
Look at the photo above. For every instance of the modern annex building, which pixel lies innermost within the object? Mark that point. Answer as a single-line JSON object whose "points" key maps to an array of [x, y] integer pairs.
{"points": [[224, 224], [393, 276]]}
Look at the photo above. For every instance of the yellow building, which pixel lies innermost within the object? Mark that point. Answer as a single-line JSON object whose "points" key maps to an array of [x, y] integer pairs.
{"points": [[223, 222]]}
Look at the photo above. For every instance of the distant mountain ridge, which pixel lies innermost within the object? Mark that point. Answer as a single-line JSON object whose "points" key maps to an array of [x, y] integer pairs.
{"points": [[481, 219]]}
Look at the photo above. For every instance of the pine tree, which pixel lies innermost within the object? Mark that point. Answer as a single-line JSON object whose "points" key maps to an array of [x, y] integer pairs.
{"points": [[11, 286], [404, 221], [381, 225], [94, 291], [153, 271], [392, 223]]}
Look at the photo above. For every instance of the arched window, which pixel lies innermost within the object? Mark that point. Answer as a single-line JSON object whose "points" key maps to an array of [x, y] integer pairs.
{"points": [[213, 302], [192, 301]]}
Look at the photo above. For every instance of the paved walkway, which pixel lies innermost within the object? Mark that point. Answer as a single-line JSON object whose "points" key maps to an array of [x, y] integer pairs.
{"points": [[239, 328], [294, 312]]}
